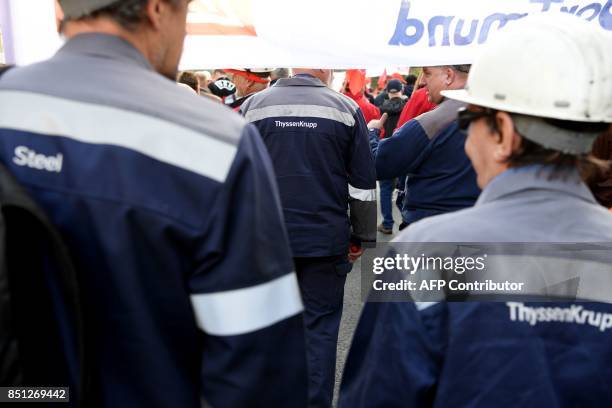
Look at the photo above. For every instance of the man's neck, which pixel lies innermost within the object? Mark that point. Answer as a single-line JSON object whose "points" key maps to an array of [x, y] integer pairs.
{"points": [[106, 26]]}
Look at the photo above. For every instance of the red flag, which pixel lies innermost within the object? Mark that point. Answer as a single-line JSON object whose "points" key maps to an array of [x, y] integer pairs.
{"points": [[382, 80], [356, 80], [399, 76]]}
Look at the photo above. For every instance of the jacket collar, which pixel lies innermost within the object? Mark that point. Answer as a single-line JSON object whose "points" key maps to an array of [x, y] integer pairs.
{"points": [[105, 46], [300, 80], [534, 177]]}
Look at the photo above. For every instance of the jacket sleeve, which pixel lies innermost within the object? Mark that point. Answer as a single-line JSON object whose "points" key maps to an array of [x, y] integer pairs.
{"points": [[362, 183], [244, 292], [403, 152], [396, 356], [362, 210]]}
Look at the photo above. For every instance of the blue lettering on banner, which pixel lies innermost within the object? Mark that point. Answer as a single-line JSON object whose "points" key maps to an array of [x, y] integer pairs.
{"points": [[569, 10], [431, 28], [465, 40], [546, 3], [501, 19], [594, 7], [401, 36], [605, 17], [410, 30]]}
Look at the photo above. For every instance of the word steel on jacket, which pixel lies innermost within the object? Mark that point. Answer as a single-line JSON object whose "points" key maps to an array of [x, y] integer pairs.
{"points": [[24, 156]]}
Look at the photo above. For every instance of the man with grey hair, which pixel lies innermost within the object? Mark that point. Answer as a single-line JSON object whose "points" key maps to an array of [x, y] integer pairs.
{"points": [[429, 149], [169, 206], [279, 73]]}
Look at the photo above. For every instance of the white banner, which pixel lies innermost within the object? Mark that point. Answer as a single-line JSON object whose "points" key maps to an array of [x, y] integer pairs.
{"points": [[318, 33], [2, 57], [365, 33], [227, 34], [29, 29]]}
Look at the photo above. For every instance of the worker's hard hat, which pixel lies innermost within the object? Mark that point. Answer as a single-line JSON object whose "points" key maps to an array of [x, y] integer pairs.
{"points": [[74, 9], [258, 71], [557, 67], [261, 75]]}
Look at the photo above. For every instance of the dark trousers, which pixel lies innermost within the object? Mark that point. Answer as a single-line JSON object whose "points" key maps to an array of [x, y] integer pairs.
{"points": [[321, 283], [386, 206]]}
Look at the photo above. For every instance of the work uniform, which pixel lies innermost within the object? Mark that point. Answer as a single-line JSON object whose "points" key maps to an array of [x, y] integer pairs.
{"points": [[168, 205], [489, 354], [429, 150], [318, 142]]}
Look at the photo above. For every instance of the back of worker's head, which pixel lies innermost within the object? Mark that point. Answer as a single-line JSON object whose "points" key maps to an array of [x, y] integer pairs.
{"points": [[190, 79], [279, 73], [551, 119], [250, 80], [205, 78], [325, 75], [156, 27]]}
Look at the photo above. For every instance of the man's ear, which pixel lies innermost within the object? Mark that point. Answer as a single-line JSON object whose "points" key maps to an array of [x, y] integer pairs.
{"points": [[450, 76], [509, 141], [155, 10]]}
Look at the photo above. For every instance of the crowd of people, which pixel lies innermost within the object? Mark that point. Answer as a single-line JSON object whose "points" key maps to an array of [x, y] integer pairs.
{"points": [[212, 217]]}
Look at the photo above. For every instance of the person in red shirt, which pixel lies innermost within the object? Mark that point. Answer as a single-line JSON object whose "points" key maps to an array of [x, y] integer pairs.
{"points": [[354, 88]]}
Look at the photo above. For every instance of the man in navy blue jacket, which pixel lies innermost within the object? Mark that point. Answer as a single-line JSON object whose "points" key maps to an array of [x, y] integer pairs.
{"points": [[170, 209], [318, 142], [429, 149], [527, 141]]}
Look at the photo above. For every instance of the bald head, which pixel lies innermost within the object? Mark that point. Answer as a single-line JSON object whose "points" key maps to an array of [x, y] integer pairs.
{"points": [[325, 75]]}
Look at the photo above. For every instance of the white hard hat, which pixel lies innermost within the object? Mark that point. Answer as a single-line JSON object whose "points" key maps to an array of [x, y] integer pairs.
{"points": [[261, 75], [557, 67]]}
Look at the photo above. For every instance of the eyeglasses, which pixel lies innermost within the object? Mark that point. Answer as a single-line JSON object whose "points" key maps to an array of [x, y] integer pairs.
{"points": [[465, 117]]}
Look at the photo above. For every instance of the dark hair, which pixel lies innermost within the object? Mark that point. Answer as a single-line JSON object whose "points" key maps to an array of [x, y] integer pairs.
{"points": [[588, 166], [127, 13], [190, 79], [601, 186], [411, 79], [530, 153], [465, 68]]}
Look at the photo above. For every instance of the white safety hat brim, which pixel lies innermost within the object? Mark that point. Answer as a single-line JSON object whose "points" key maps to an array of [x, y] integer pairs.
{"points": [[463, 95]]}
